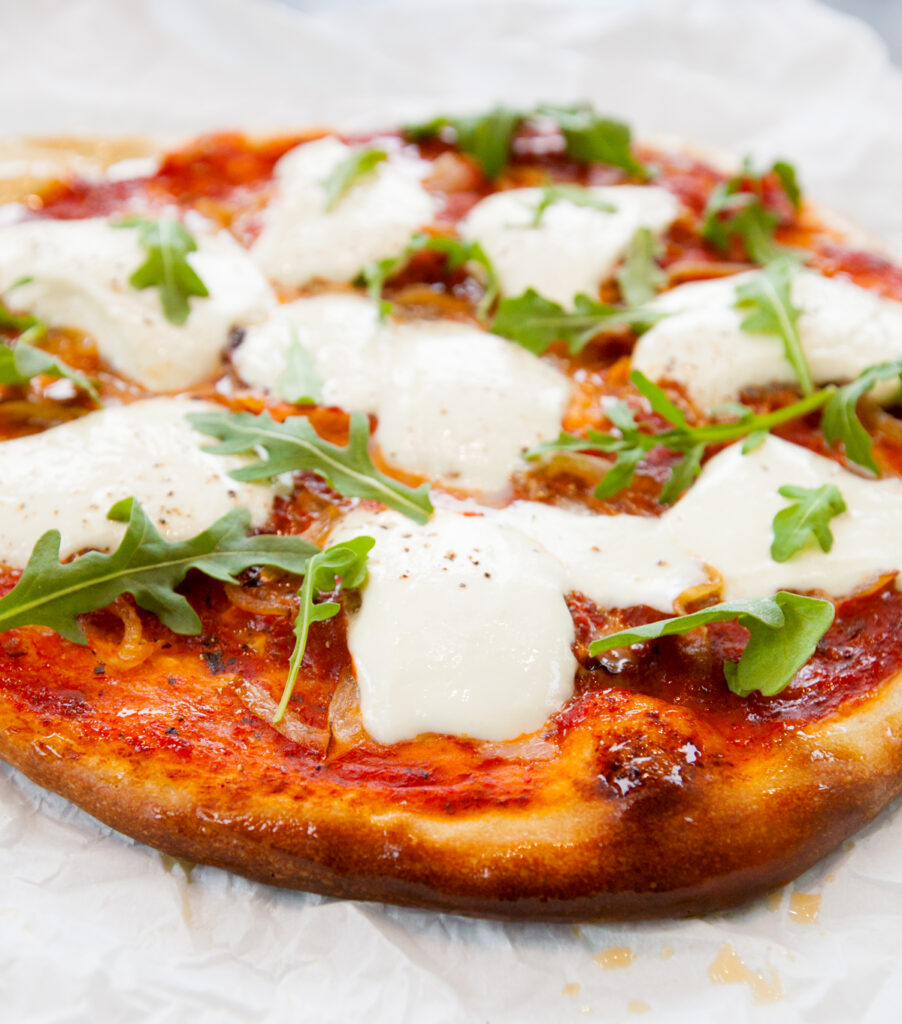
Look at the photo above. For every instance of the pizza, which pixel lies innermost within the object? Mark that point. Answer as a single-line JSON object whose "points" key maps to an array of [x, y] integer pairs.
{"points": [[497, 515]]}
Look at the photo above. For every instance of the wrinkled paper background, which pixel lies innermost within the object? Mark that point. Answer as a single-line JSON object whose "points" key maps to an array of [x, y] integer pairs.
{"points": [[94, 927]]}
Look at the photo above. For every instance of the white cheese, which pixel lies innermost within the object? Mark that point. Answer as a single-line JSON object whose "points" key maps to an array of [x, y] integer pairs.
{"points": [[342, 335], [453, 403], [574, 248], [462, 629], [66, 478], [726, 518], [78, 273], [701, 345], [617, 561], [459, 405], [301, 241]]}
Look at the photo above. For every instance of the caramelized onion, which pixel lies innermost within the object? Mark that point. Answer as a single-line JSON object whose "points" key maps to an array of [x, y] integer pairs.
{"points": [[701, 595], [261, 600], [700, 270], [345, 721], [133, 648], [255, 696]]}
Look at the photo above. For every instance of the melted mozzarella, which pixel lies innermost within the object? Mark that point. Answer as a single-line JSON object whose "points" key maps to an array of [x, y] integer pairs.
{"points": [[843, 329], [342, 335], [460, 405], [301, 241], [462, 628], [66, 478], [617, 561], [574, 248], [79, 271], [453, 403], [726, 520]]}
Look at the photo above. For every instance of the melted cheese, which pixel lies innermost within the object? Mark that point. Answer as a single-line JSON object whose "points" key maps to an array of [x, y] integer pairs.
{"points": [[574, 248], [79, 272], [462, 628], [843, 329], [67, 478], [726, 518], [342, 335], [617, 561], [301, 241], [453, 403]]}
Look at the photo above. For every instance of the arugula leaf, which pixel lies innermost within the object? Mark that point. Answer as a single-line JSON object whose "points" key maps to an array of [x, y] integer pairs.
{"points": [[144, 565], [167, 244], [766, 300], [632, 444], [576, 195], [458, 252], [342, 565], [349, 173], [18, 365], [841, 423], [589, 138], [536, 322], [295, 445], [13, 322], [488, 138], [735, 208], [300, 384], [783, 633], [807, 517], [639, 277]]}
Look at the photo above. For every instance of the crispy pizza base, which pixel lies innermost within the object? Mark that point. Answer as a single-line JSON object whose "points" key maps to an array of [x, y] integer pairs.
{"points": [[724, 833]]}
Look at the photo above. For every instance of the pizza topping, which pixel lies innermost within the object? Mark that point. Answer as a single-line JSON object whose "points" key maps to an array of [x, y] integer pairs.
{"points": [[453, 403], [630, 445], [67, 477], [462, 629], [302, 240], [640, 277], [144, 565], [576, 195], [339, 567], [843, 329], [24, 361], [350, 172], [76, 273], [726, 519], [783, 633], [294, 446], [536, 322], [574, 248], [488, 138], [806, 518], [166, 268], [840, 421]]}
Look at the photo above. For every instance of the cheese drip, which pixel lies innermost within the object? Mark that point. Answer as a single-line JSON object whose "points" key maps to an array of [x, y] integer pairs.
{"points": [[68, 477], [453, 403], [701, 345], [302, 241], [76, 274], [573, 249]]}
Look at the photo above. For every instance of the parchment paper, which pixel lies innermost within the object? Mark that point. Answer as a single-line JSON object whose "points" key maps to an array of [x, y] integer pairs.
{"points": [[94, 927]]}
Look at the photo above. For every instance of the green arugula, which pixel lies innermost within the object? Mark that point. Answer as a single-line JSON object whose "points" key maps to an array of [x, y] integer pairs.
{"points": [[457, 251], [735, 209], [589, 138], [639, 277], [144, 565], [349, 173], [342, 565], [488, 138], [18, 365], [806, 518], [631, 444], [300, 383], [783, 634], [576, 195], [294, 445], [841, 423], [167, 244], [766, 300], [536, 322]]}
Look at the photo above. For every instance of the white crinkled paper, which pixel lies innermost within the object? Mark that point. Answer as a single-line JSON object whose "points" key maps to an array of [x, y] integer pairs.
{"points": [[96, 928]]}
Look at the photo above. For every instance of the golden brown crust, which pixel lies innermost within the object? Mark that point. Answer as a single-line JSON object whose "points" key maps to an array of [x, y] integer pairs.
{"points": [[681, 844]]}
